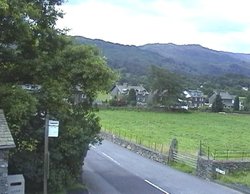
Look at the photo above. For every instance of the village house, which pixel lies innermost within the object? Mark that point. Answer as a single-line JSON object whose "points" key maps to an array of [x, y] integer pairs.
{"points": [[194, 98], [227, 99], [6, 143], [123, 90]]}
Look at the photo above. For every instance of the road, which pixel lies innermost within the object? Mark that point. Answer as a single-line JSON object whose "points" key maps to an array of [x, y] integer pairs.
{"points": [[111, 169]]}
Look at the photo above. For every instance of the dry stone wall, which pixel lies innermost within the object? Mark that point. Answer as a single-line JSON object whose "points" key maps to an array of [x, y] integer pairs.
{"points": [[139, 149], [209, 169], [3, 171]]}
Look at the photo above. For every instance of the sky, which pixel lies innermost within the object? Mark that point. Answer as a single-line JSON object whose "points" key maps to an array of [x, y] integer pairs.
{"points": [[216, 24]]}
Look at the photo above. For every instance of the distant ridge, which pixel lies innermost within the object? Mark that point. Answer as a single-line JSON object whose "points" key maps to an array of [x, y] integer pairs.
{"points": [[189, 59]]}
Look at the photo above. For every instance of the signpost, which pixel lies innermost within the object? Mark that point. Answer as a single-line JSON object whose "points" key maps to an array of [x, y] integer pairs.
{"points": [[220, 171], [51, 130]]}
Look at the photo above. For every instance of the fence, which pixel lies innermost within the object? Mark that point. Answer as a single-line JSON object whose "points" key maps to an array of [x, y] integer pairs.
{"points": [[188, 159], [161, 148], [230, 155], [216, 154]]}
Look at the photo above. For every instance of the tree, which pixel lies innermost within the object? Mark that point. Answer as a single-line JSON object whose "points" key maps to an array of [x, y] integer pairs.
{"points": [[237, 103], [247, 102], [166, 86], [217, 105], [132, 97], [33, 51]]}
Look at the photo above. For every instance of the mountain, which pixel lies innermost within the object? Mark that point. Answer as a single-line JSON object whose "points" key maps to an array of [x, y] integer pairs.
{"points": [[126, 58], [188, 59], [203, 60]]}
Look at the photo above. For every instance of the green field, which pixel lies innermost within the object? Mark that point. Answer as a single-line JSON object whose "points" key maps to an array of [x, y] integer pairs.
{"points": [[218, 131]]}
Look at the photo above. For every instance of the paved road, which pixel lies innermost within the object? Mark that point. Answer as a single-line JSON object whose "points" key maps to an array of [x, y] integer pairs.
{"points": [[111, 169]]}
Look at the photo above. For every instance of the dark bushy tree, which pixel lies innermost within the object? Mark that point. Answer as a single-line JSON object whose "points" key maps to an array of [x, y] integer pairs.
{"points": [[236, 103], [217, 105], [247, 102], [167, 86], [132, 97], [33, 51]]}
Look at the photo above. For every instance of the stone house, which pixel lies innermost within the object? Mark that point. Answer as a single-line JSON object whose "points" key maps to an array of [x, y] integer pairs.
{"points": [[6, 143], [194, 98], [123, 90], [227, 99]]}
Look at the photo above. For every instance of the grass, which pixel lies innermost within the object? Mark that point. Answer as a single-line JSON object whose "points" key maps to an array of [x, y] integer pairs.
{"points": [[242, 177], [102, 96], [218, 131], [76, 186], [182, 167]]}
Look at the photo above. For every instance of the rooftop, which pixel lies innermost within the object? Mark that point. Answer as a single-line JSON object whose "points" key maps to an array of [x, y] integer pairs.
{"points": [[6, 139]]}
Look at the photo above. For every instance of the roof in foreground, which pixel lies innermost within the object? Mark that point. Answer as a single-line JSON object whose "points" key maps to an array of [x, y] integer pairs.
{"points": [[6, 139]]}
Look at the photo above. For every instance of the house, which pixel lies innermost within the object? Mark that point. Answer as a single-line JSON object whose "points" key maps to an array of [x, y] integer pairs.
{"points": [[6, 143], [123, 90], [31, 87], [242, 101], [194, 98], [227, 99]]}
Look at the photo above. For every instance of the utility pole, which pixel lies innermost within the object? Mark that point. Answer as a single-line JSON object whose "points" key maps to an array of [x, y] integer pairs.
{"points": [[46, 148]]}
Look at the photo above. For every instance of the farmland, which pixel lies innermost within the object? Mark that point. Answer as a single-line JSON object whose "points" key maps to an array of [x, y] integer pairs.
{"points": [[218, 131]]}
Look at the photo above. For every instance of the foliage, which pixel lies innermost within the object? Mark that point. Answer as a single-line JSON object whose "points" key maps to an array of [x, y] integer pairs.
{"points": [[182, 167], [132, 97], [240, 177], [247, 102], [218, 131], [236, 103], [217, 105], [165, 85], [121, 101], [33, 51]]}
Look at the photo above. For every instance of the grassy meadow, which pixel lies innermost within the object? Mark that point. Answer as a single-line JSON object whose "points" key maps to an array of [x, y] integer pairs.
{"points": [[218, 131]]}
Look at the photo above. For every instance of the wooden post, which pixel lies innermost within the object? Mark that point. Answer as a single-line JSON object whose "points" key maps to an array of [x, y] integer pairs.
{"points": [[46, 148]]}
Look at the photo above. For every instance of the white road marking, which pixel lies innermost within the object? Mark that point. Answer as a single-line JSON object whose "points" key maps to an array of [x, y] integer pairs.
{"points": [[155, 186], [113, 160]]}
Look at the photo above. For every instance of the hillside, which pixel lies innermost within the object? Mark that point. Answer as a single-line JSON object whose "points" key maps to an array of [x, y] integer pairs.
{"points": [[128, 59], [203, 60], [190, 59]]}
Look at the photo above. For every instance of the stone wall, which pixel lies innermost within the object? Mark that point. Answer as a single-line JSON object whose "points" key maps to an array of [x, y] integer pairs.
{"points": [[139, 149], [208, 169], [3, 171], [204, 168]]}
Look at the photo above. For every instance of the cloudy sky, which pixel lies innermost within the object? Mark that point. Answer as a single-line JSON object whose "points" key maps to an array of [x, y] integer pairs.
{"points": [[216, 24]]}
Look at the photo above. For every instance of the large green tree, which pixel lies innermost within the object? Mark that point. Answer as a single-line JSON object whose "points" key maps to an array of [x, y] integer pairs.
{"points": [[33, 51], [247, 102], [236, 103], [132, 97], [217, 105], [166, 86]]}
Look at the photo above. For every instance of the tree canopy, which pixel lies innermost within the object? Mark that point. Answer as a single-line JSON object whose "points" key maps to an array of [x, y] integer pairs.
{"points": [[236, 103], [166, 86], [33, 51], [132, 97], [217, 105]]}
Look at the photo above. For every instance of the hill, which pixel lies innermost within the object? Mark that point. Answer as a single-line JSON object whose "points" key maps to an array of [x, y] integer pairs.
{"points": [[203, 60], [188, 59], [126, 58]]}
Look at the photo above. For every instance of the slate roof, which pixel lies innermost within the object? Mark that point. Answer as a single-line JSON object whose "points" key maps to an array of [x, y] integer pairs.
{"points": [[193, 93], [6, 139], [226, 96], [125, 88]]}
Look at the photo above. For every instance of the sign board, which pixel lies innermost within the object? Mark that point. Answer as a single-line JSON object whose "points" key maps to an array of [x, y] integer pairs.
{"points": [[220, 171], [16, 184], [53, 128]]}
